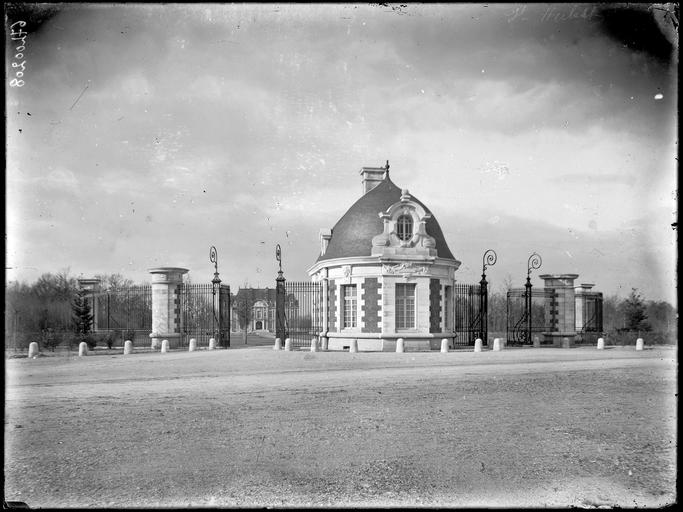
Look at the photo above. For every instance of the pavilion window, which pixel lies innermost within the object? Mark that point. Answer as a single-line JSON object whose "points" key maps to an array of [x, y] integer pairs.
{"points": [[350, 306], [405, 306]]}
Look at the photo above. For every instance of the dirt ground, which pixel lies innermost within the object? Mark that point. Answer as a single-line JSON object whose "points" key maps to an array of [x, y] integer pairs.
{"points": [[254, 427]]}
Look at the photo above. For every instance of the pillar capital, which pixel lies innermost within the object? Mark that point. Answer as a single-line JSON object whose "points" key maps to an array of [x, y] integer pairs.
{"points": [[559, 280], [168, 275], [91, 285]]}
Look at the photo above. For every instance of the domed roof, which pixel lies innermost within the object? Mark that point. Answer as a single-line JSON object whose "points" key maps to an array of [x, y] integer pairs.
{"points": [[352, 234]]}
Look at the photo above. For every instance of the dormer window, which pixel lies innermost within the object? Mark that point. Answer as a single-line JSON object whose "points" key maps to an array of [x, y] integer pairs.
{"points": [[404, 227]]}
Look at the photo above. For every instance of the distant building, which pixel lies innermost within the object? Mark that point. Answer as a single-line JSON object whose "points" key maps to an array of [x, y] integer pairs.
{"points": [[387, 271], [256, 308]]}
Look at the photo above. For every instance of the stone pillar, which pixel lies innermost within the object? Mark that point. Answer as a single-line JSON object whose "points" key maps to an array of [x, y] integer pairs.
{"points": [[314, 345], [164, 346], [399, 345], [562, 307], [639, 344], [537, 342], [166, 318], [354, 346], [444, 345], [288, 345], [581, 306], [82, 349], [127, 347], [477, 345], [278, 344], [212, 344], [496, 344], [33, 349], [325, 309], [193, 345], [601, 344]]}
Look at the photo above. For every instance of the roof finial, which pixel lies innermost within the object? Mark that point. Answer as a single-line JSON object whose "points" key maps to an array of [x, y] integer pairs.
{"points": [[386, 170]]}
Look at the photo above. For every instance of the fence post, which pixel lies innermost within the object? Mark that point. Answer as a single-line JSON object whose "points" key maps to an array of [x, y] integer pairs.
{"points": [[483, 308], [280, 330]]}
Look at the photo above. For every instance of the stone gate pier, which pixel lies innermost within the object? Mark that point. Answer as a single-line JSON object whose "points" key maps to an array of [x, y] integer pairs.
{"points": [[560, 308], [166, 317]]}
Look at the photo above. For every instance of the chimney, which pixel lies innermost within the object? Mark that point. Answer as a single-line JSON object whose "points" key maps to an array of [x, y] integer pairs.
{"points": [[372, 176]]}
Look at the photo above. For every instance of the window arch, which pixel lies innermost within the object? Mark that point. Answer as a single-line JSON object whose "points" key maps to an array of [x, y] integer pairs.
{"points": [[404, 227]]}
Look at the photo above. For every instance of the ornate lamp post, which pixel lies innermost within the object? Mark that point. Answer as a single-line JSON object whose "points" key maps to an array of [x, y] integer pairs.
{"points": [[488, 260], [215, 290], [280, 319], [533, 263]]}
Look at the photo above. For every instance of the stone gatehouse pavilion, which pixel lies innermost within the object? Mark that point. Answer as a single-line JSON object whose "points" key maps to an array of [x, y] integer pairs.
{"points": [[386, 270]]}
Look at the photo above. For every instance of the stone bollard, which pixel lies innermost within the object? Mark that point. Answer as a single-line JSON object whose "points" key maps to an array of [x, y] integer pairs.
{"points": [[127, 347], [639, 344], [400, 347], [164, 346], [33, 349], [354, 346], [278, 344], [314, 345], [537, 342], [82, 349], [444, 345], [193, 345], [212, 344], [155, 343], [496, 344], [477, 345], [324, 344], [601, 344], [288, 345], [565, 342]]}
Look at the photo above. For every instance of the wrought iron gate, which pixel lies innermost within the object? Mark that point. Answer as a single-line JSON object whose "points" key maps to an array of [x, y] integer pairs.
{"points": [[469, 313], [299, 312], [205, 314], [127, 311], [529, 313], [590, 328]]}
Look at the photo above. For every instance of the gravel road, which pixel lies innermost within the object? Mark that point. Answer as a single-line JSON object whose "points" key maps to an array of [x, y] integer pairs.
{"points": [[255, 427]]}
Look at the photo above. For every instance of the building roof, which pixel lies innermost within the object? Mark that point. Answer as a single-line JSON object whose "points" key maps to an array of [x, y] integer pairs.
{"points": [[352, 234]]}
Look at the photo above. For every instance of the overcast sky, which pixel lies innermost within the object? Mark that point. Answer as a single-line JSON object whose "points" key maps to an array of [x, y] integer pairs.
{"points": [[144, 134]]}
